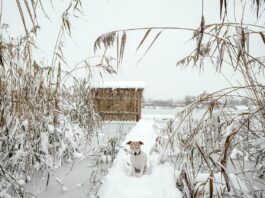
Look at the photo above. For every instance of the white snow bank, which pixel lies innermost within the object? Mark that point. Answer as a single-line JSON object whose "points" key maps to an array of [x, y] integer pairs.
{"points": [[44, 137], [260, 143], [219, 183], [241, 107], [5, 195], [119, 84], [158, 182], [236, 154]]}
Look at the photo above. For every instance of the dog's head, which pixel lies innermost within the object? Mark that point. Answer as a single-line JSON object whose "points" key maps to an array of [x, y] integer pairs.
{"points": [[135, 147]]}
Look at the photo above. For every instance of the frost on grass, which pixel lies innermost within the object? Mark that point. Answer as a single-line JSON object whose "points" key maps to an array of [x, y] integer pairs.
{"points": [[220, 149], [42, 123], [34, 138], [219, 185]]}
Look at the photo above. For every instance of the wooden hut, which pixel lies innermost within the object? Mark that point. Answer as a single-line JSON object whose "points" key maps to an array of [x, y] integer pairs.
{"points": [[118, 100]]}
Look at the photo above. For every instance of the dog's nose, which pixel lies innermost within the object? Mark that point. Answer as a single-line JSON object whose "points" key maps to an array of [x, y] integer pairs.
{"points": [[135, 153]]}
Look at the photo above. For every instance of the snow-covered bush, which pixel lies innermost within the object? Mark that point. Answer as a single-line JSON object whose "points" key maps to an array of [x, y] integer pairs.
{"points": [[215, 142], [42, 123], [37, 130]]}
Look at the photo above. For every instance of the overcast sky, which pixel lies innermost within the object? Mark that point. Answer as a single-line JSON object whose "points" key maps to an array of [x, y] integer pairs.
{"points": [[158, 68]]}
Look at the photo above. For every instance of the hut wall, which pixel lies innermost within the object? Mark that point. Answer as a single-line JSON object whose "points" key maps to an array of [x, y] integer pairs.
{"points": [[118, 104]]}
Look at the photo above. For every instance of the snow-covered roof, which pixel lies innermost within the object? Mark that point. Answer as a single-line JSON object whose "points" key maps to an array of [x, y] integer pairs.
{"points": [[119, 84]]}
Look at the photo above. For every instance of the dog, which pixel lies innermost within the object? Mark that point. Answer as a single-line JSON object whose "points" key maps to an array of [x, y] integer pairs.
{"points": [[138, 158]]}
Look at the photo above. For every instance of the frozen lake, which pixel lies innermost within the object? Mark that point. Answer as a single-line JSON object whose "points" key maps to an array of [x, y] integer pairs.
{"points": [[159, 114]]}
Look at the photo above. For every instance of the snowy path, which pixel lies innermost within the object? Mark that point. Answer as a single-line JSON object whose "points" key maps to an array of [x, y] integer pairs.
{"points": [[159, 182]]}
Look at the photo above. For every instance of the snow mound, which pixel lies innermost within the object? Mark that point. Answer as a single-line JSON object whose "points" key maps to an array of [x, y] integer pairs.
{"points": [[119, 84], [158, 182], [219, 183], [236, 154]]}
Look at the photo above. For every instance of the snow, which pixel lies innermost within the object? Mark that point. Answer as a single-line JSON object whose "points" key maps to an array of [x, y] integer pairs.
{"points": [[159, 180], [119, 84], [119, 183], [25, 123], [61, 184], [236, 154], [44, 136], [74, 177], [4, 195], [21, 182], [78, 155], [260, 143], [219, 183], [229, 129], [241, 107]]}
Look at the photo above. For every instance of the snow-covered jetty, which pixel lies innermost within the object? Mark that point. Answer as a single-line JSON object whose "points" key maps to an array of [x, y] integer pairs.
{"points": [[158, 182]]}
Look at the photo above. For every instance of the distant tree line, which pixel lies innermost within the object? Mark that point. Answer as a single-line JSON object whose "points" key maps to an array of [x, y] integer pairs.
{"points": [[228, 102]]}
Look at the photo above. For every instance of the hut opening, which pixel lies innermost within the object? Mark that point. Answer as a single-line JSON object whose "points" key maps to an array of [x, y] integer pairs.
{"points": [[118, 100]]}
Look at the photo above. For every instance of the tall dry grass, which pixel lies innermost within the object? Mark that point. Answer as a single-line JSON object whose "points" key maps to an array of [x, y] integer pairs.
{"points": [[206, 133], [36, 109]]}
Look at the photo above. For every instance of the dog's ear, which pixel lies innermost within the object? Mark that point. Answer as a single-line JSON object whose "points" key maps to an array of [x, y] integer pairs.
{"points": [[140, 142], [129, 142]]}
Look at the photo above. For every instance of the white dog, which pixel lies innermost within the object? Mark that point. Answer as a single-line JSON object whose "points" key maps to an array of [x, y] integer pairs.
{"points": [[138, 158]]}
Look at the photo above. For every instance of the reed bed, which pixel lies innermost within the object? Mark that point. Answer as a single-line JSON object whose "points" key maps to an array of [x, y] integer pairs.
{"points": [[42, 125], [207, 137], [216, 142], [42, 122]]}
